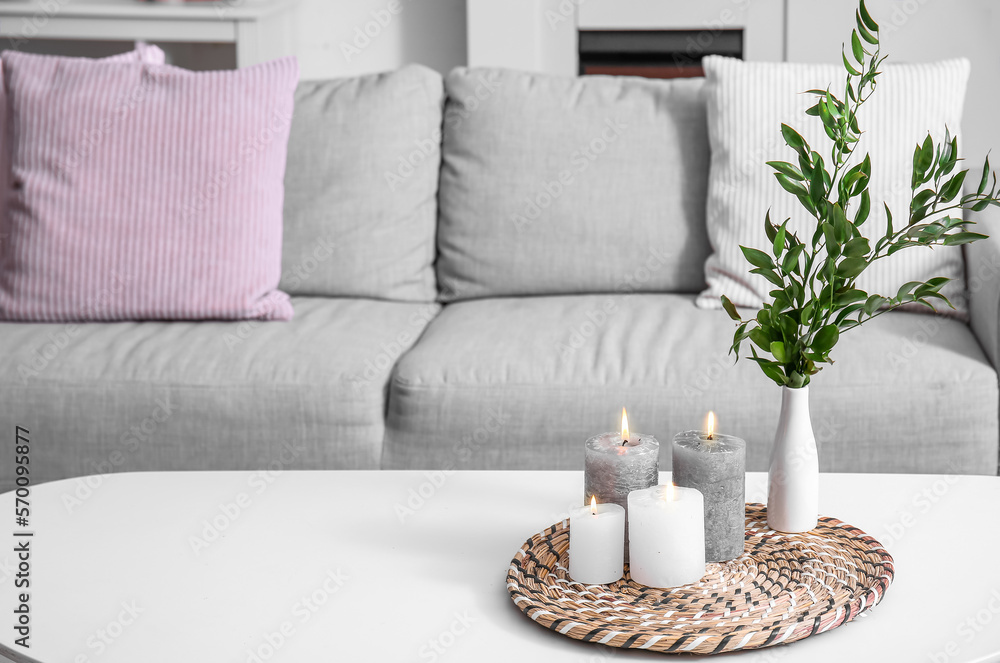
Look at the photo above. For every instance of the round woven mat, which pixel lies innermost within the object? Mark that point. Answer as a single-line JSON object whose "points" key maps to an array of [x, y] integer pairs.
{"points": [[783, 588]]}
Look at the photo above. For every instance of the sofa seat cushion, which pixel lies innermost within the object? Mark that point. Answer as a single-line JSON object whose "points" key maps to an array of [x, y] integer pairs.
{"points": [[209, 395], [522, 383]]}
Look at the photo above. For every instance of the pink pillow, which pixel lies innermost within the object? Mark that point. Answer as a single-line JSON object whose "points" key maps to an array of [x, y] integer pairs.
{"points": [[144, 191], [143, 53]]}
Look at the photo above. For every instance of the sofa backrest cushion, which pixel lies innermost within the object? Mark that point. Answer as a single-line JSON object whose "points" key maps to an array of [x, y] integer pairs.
{"points": [[559, 185], [361, 186]]}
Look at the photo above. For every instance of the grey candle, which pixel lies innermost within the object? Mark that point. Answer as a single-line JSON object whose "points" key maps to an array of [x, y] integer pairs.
{"points": [[715, 464], [615, 467]]}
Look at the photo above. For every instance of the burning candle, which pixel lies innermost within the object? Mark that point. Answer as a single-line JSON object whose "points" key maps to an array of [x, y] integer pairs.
{"points": [[618, 463], [666, 536], [596, 533], [715, 465]]}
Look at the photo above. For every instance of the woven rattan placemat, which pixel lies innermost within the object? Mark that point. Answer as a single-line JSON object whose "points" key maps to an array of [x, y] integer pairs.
{"points": [[783, 588]]}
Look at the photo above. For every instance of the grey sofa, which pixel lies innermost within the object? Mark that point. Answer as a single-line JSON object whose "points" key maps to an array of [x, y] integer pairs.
{"points": [[484, 270]]}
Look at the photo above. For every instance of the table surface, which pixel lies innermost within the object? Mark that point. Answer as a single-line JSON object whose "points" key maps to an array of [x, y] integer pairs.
{"points": [[307, 566]]}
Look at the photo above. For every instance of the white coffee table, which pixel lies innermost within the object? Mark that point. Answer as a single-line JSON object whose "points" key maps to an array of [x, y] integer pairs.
{"points": [[407, 566]]}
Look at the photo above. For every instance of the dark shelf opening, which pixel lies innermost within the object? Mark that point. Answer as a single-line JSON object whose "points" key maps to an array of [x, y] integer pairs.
{"points": [[654, 53]]}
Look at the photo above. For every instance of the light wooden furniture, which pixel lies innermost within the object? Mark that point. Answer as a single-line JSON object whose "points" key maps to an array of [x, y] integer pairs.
{"points": [[260, 29], [394, 566]]}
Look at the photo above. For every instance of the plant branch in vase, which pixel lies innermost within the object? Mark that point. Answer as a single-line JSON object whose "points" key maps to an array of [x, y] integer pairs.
{"points": [[816, 297]]}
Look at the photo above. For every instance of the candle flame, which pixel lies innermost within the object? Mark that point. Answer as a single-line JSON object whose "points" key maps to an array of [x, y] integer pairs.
{"points": [[710, 425], [669, 495], [593, 504], [624, 427]]}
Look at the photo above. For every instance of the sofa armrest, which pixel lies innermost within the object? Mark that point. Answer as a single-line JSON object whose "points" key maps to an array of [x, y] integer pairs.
{"points": [[982, 262]]}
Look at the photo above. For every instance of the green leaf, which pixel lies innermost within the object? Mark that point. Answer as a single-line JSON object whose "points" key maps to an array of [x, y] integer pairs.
{"points": [[807, 312], [921, 199], [864, 208], [963, 238], [730, 308], [760, 338], [787, 169], [865, 32], [780, 301], [769, 228], [888, 220], [986, 177], [896, 248], [808, 204], [772, 371], [841, 226], [866, 165], [851, 178], [850, 268], [825, 339], [866, 18], [924, 156], [953, 187], [789, 328], [857, 248], [791, 261], [817, 188], [850, 297], [794, 140], [778, 350], [859, 52], [846, 313], [791, 186], [919, 214], [834, 105], [738, 339], [826, 274], [904, 290], [930, 287], [779, 241], [770, 275], [832, 245], [873, 303], [827, 118], [847, 64], [757, 258]]}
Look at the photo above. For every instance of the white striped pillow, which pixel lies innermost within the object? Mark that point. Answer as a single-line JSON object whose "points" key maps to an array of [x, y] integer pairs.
{"points": [[748, 102], [144, 191]]}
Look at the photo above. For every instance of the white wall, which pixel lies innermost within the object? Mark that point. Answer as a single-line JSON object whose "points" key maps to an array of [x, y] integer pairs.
{"points": [[918, 31], [431, 32]]}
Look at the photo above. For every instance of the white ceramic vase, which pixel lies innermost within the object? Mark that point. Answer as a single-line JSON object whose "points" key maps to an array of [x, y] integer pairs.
{"points": [[793, 477]]}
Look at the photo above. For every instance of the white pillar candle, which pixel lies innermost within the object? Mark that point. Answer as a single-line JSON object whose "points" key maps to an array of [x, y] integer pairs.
{"points": [[666, 536], [596, 535]]}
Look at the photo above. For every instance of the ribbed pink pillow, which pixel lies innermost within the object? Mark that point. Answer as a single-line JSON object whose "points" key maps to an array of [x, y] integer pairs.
{"points": [[144, 191], [143, 53]]}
